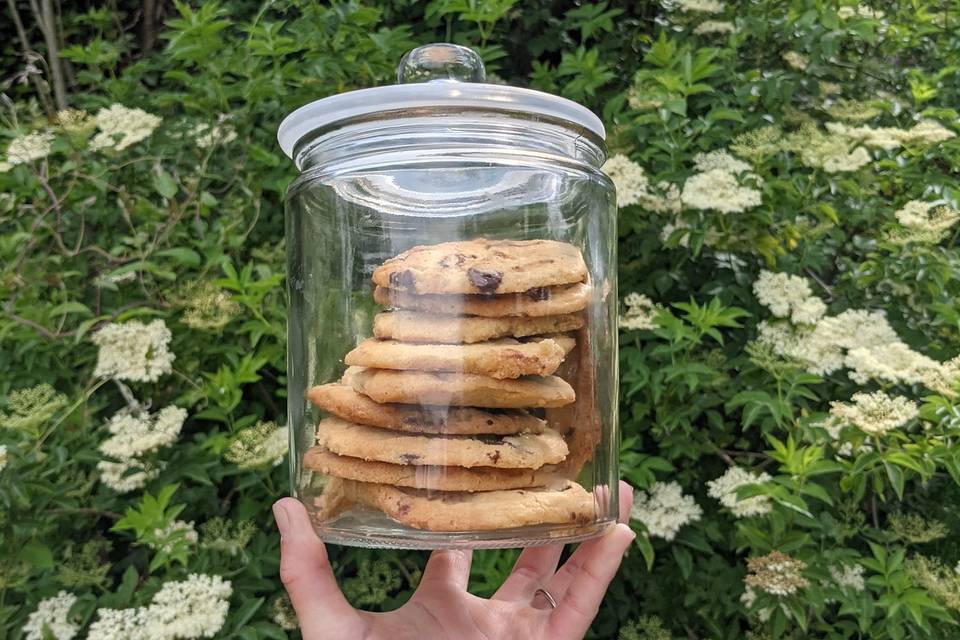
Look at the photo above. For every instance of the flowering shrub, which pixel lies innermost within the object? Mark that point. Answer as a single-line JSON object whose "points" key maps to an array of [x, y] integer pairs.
{"points": [[787, 181]]}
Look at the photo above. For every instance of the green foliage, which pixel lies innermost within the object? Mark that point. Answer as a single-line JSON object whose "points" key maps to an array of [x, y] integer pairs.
{"points": [[183, 224]]}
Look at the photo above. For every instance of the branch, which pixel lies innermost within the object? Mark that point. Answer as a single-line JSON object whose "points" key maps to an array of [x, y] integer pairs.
{"points": [[48, 26], [42, 91], [148, 25]]}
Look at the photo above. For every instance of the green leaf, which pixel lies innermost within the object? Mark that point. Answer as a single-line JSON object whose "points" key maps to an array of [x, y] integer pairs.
{"points": [[37, 554], [164, 184], [71, 307], [646, 549], [186, 257]]}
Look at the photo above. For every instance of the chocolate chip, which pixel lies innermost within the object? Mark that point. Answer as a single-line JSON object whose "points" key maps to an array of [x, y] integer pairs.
{"points": [[403, 508], [409, 458], [461, 259], [402, 279], [489, 422], [494, 456], [538, 294], [485, 281]]}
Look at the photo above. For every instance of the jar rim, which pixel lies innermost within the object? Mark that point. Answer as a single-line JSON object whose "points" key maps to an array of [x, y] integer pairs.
{"points": [[442, 94]]}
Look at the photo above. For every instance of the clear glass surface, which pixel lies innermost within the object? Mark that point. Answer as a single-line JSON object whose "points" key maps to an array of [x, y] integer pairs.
{"points": [[372, 190]]}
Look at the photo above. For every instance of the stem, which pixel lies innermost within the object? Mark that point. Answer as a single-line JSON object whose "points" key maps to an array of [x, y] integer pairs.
{"points": [[42, 91], [47, 23]]}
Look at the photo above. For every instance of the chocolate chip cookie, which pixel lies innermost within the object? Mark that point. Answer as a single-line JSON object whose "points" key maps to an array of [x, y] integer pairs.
{"points": [[413, 326], [535, 302], [482, 266]]}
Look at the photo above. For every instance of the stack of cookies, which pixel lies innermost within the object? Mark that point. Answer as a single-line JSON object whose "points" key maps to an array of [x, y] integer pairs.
{"points": [[456, 415]]}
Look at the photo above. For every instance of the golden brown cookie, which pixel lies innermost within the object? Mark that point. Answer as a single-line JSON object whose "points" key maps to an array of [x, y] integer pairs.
{"points": [[459, 389], [432, 477], [341, 400], [524, 451], [500, 359], [543, 301], [412, 326], [483, 266], [562, 502], [332, 501]]}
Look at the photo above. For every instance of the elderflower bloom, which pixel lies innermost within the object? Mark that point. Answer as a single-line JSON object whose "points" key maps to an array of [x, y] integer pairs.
{"points": [[776, 573], [640, 312], [628, 177], [51, 614], [699, 6], [725, 489], [3, 456], [893, 362], [796, 60], [875, 413], [720, 159], [708, 27], [282, 613], [207, 307], [220, 534], [924, 223], [718, 190], [790, 296], [133, 351], [262, 444], [848, 577], [943, 379], [862, 11], [126, 475], [192, 608], [121, 127], [31, 408], [207, 135], [852, 111], [759, 143], [75, 121], [29, 147], [928, 131], [136, 434], [663, 509], [830, 153], [166, 539]]}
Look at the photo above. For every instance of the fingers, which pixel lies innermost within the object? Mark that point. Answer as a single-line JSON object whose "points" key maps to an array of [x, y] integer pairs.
{"points": [[448, 568], [626, 502], [306, 573], [596, 563], [531, 571]]}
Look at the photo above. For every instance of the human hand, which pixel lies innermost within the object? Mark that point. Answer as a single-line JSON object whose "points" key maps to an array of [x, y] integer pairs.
{"points": [[441, 607]]}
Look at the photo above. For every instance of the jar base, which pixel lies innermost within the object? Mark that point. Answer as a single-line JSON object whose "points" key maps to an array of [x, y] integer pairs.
{"points": [[406, 538]]}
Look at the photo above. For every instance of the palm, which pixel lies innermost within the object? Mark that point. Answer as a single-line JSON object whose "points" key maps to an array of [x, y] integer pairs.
{"points": [[441, 606]]}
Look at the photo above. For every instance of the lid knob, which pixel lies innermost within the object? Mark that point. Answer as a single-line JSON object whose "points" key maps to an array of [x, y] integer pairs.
{"points": [[441, 61]]}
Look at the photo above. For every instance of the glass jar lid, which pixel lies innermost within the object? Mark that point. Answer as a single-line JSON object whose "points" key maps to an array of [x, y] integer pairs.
{"points": [[431, 76]]}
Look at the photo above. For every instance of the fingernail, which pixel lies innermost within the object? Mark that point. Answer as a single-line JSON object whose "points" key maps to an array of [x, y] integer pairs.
{"points": [[282, 517]]}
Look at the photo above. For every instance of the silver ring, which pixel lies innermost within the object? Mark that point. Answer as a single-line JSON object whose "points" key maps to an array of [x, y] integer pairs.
{"points": [[546, 594]]}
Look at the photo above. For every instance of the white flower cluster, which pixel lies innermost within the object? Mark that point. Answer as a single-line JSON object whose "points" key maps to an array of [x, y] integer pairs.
{"points": [[282, 613], [664, 509], [777, 574], [875, 413], [789, 296], [796, 60], [848, 577], [640, 312], [628, 177], [633, 187], [851, 110], [121, 127], [27, 148], [51, 614], [207, 135], [888, 138], [924, 223], [75, 121], [859, 340], [699, 6], [717, 186], [133, 351], [262, 444], [3, 456], [709, 27], [134, 436], [192, 608], [725, 489], [862, 11], [833, 154], [166, 539]]}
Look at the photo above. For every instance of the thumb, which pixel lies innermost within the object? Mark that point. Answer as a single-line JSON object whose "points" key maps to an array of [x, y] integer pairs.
{"points": [[305, 571]]}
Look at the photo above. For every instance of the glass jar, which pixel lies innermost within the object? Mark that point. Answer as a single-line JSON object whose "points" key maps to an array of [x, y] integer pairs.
{"points": [[452, 348]]}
